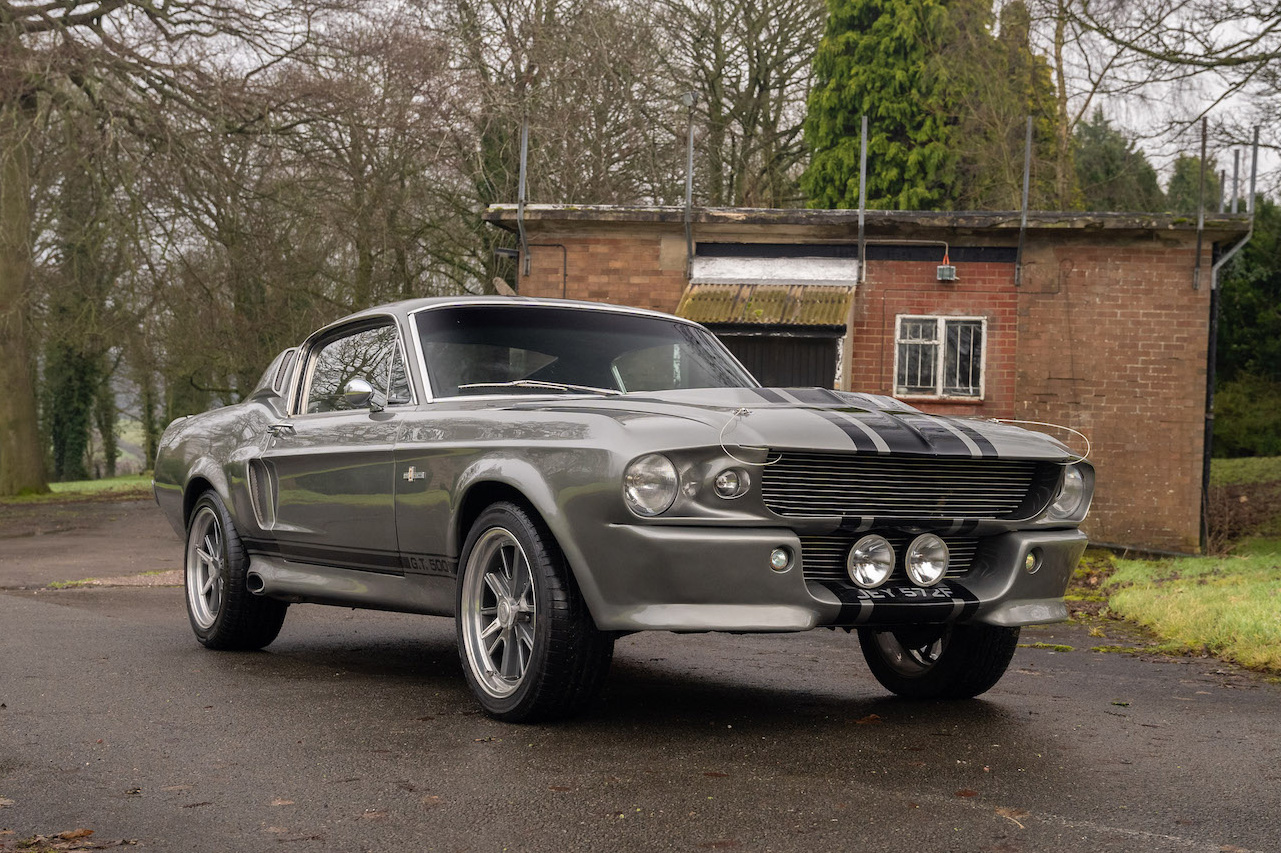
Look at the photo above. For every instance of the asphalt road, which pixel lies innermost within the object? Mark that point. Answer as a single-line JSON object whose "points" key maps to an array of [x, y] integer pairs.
{"points": [[354, 731]]}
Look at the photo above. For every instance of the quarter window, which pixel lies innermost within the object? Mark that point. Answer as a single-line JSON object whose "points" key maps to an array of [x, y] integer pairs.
{"points": [[939, 356]]}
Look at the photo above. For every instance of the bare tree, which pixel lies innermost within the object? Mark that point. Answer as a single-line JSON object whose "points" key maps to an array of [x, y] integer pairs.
{"points": [[123, 57], [749, 63], [1223, 51]]}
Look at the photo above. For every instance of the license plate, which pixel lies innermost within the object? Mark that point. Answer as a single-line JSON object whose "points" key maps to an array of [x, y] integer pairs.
{"points": [[906, 593]]}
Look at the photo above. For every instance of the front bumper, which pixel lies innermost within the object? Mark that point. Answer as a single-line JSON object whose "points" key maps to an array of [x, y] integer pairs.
{"points": [[719, 579]]}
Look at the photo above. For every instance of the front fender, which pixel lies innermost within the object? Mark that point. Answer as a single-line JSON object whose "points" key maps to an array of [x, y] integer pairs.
{"points": [[571, 500]]}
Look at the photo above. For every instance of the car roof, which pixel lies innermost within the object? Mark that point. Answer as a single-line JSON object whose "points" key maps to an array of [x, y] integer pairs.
{"points": [[409, 306]]}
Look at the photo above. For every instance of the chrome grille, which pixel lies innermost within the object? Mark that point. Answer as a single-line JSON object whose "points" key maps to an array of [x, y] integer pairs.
{"points": [[823, 557], [804, 484]]}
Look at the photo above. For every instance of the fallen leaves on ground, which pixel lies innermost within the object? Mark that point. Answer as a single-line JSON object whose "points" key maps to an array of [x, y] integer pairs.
{"points": [[70, 841], [1013, 815]]}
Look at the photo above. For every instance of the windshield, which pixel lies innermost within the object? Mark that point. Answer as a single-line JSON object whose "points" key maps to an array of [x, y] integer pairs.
{"points": [[519, 349]]}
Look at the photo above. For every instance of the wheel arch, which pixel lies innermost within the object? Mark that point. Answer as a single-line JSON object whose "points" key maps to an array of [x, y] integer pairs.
{"points": [[483, 492], [204, 477]]}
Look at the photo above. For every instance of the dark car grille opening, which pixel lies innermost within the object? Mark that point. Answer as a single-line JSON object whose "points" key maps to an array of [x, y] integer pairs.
{"points": [[808, 484], [823, 557]]}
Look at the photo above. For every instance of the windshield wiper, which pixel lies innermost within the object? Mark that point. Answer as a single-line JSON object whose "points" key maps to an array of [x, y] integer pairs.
{"points": [[543, 386]]}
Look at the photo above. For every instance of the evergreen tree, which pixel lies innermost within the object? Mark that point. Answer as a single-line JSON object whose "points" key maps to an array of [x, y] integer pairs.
{"points": [[1185, 183], [876, 58], [1113, 174], [999, 82], [1250, 310]]}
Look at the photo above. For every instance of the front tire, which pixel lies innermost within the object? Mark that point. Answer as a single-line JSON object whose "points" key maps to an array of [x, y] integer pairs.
{"points": [[529, 648], [223, 613], [939, 662]]}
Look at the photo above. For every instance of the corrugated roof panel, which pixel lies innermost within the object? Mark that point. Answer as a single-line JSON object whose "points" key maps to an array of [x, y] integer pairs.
{"points": [[767, 304]]}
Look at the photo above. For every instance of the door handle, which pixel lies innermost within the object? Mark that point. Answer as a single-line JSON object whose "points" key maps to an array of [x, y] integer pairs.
{"points": [[281, 429]]}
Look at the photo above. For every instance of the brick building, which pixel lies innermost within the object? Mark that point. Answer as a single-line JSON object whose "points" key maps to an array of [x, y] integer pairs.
{"points": [[1096, 324]]}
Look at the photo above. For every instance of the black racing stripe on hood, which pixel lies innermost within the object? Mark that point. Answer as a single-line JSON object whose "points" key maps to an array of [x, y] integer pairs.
{"points": [[861, 440], [769, 396], [817, 397], [988, 449], [938, 436]]}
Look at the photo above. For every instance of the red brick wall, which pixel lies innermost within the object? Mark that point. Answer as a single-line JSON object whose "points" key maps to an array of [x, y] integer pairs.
{"points": [[624, 270], [1105, 335], [1113, 342]]}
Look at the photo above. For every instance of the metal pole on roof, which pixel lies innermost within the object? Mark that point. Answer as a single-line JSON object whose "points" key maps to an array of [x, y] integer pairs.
{"points": [[520, 194], [862, 200], [689, 99], [1223, 189], [1236, 178], [1254, 173], [1200, 211], [1027, 179]]}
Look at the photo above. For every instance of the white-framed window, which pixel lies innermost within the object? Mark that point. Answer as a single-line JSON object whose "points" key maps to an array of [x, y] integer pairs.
{"points": [[939, 356]]}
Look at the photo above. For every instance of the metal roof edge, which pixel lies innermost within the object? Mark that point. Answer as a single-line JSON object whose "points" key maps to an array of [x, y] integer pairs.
{"points": [[1218, 224]]}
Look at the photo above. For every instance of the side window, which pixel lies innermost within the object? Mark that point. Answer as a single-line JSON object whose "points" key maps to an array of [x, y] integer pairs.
{"points": [[373, 355], [939, 356]]}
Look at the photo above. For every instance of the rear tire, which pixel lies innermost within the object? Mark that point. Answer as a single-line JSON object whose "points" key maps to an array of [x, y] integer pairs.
{"points": [[529, 647], [939, 662], [223, 613]]}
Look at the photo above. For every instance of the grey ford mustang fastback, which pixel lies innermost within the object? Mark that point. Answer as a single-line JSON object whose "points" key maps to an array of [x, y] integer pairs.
{"points": [[554, 474]]}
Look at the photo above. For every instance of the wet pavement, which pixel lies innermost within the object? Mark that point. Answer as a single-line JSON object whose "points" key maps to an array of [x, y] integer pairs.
{"points": [[355, 731]]}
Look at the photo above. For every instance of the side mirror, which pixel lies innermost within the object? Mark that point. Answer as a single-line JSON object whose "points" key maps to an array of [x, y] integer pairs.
{"points": [[359, 394]]}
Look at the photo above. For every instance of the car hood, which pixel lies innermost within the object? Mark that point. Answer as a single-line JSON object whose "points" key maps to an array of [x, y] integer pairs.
{"points": [[822, 420]]}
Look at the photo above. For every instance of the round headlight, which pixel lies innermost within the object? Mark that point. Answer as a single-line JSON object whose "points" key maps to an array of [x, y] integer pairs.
{"points": [[1071, 493], [649, 485], [870, 561], [926, 560], [732, 483]]}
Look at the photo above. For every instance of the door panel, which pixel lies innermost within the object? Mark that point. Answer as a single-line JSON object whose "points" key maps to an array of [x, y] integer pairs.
{"points": [[335, 486]]}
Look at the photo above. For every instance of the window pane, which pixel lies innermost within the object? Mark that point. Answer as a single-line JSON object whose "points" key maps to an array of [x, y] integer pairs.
{"points": [[365, 355], [917, 356], [963, 358], [916, 329], [475, 345]]}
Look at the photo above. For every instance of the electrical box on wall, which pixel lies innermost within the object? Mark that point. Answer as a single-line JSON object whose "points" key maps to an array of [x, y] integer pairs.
{"points": [[947, 272]]}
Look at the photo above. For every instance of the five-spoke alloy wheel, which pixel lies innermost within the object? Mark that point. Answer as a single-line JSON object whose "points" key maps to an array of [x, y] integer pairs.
{"points": [[205, 566], [224, 614], [529, 647], [502, 613]]}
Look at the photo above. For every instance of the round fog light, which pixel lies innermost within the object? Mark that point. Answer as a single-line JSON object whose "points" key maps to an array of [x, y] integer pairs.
{"points": [[1032, 561], [780, 559], [926, 560], [870, 561]]}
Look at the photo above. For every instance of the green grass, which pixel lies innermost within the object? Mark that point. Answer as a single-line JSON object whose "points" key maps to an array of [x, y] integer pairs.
{"points": [[1259, 469], [137, 486], [1229, 606]]}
